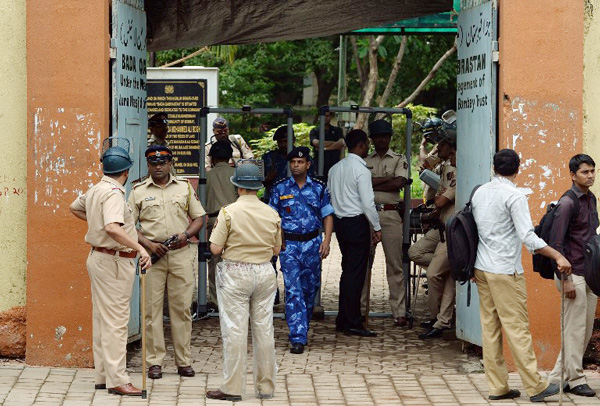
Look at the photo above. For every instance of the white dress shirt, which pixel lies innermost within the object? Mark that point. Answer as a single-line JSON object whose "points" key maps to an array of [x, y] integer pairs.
{"points": [[503, 223], [351, 190]]}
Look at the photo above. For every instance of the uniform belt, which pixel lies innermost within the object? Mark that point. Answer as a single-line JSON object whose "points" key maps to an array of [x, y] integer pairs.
{"points": [[301, 237], [386, 206], [123, 254]]}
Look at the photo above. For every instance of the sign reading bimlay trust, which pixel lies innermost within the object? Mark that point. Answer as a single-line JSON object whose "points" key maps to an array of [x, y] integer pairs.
{"points": [[476, 140], [181, 93]]}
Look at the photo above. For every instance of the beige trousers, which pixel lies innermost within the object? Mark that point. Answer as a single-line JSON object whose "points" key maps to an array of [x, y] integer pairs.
{"points": [[421, 252], [441, 286], [391, 239], [579, 325], [212, 268], [112, 284], [503, 305], [247, 291], [175, 271]]}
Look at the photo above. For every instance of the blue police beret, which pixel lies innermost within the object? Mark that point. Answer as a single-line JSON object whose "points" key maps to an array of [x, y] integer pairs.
{"points": [[220, 123], [299, 152]]}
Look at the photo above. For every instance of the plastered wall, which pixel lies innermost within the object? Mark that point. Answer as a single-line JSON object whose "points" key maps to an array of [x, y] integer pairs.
{"points": [[591, 82], [67, 117], [541, 117], [13, 138]]}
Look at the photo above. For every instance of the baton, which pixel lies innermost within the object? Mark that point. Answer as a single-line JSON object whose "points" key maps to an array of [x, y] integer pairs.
{"points": [[369, 268], [143, 279], [562, 338]]}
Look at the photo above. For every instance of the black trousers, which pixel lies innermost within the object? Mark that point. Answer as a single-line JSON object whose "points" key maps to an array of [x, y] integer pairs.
{"points": [[354, 237]]}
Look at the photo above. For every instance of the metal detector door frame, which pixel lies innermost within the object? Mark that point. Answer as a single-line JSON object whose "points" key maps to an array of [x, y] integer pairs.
{"points": [[203, 248], [407, 197]]}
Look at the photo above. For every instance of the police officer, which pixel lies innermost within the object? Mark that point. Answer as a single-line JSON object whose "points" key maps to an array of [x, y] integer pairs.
{"points": [[159, 128], [219, 193], [241, 150], [111, 266], [442, 288], [162, 204], [304, 205], [247, 234], [390, 171]]}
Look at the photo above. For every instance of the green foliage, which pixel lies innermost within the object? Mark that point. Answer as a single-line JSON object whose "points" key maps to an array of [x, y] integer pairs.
{"points": [[265, 144], [420, 113]]}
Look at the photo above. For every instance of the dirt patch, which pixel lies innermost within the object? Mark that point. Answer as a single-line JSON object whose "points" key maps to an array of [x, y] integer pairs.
{"points": [[12, 332]]}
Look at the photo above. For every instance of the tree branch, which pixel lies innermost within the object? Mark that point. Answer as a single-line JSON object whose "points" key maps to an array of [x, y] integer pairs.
{"points": [[185, 58], [428, 78], [394, 72], [373, 75], [359, 68]]}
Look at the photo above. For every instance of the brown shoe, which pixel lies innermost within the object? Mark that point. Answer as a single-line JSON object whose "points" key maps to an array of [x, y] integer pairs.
{"points": [[401, 321], [186, 371], [125, 390], [155, 372], [218, 395]]}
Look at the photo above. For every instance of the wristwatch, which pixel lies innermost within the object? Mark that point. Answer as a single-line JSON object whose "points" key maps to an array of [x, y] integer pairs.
{"points": [[187, 235]]}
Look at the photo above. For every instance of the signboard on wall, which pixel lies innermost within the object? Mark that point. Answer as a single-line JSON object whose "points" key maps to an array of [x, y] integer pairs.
{"points": [[181, 93], [129, 78], [182, 100], [476, 125]]}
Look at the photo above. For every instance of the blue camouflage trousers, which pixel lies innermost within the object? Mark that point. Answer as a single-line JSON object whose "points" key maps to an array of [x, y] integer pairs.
{"points": [[301, 269]]}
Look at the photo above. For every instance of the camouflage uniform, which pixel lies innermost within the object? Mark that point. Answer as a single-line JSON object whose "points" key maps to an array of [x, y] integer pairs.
{"points": [[302, 212]]}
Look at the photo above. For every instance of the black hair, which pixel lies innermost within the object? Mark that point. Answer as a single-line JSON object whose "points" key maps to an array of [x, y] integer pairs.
{"points": [[579, 159], [356, 137], [506, 162], [116, 175]]}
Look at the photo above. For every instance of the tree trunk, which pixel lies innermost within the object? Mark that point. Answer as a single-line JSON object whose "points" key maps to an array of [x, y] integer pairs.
{"points": [[360, 68], [373, 75], [394, 73], [324, 87], [428, 78]]}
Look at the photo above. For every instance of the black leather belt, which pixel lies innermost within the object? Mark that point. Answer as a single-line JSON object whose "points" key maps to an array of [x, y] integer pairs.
{"points": [[301, 237]]}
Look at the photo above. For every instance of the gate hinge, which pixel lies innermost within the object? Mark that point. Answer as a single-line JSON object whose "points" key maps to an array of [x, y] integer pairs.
{"points": [[113, 48], [495, 52]]}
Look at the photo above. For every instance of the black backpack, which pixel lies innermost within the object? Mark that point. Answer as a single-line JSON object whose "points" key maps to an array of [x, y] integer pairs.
{"points": [[462, 239], [592, 264], [545, 266]]}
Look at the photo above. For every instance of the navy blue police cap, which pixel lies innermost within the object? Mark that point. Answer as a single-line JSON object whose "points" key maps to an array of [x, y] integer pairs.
{"points": [[158, 154], [158, 118], [299, 152], [221, 150]]}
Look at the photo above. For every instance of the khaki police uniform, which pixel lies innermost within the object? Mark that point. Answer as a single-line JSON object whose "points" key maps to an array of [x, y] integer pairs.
{"points": [[163, 212], [111, 277], [248, 230], [442, 288], [421, 252], [394, 165], [219, 192], [239, 146]]}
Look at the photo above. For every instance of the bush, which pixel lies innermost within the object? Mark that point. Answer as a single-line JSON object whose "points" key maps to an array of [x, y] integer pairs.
{"points": [[265, 144]]}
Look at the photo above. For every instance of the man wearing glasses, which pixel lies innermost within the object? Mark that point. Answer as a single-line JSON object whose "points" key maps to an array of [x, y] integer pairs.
{"points": [[241, 150]]}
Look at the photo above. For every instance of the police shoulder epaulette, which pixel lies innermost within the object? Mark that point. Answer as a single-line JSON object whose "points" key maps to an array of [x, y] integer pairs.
{"points": [[320, 182], [280, 181], [182, 179], [139, 181]]}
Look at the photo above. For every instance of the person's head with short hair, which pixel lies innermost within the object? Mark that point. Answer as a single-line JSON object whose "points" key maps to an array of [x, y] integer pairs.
{"points": [[280, 136], [159, 160], [299, 161], [358, 143], [221, 129], [220, 151], [583, 171], [328, 116], [159, 125], [506, 162]]}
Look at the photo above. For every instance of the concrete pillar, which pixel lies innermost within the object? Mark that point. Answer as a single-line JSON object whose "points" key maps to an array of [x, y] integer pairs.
{"points": [[541, 116], [67, 117]]}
